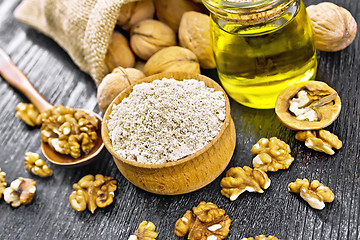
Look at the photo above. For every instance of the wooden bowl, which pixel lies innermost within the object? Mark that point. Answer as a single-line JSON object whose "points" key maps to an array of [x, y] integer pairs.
{"points": [[184, 175]]}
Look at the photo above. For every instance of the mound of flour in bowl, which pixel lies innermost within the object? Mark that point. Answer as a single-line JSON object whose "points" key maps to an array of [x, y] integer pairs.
{"points": [[166, 120]]}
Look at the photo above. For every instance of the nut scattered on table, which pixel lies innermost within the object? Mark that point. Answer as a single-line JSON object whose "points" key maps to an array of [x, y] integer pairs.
{"points": [[261, 237], [114, 83], [149, 36], [271, 155], [21, 191], [316, 194], [28, 113], [134, 12], [206, 222], [119, 53], [3, 183], [69, 131], [92, 192], [36, 166], [145, 231], [239, 180], [334, 27], [310, 105], [171, 11], [172, 59], [194, 34], [320, 140]]}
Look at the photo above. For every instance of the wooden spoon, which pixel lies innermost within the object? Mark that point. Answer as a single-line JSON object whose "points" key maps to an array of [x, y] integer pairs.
{"points": [[16, 78]]}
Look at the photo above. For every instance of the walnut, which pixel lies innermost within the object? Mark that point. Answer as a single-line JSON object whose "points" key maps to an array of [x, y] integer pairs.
{"points": [[114, 83], [92, 192], [172, 59], [272, 155], [145, 231], [3, 183], [171, 11], [261, 237], [21, 191], [239, 180], [308, 106], [134, 12], [320, 140], [36, 166], [149, 36], [194, 34], [316, 195], [69, 131], [28, 113], [119, 53], [334, 27], [206, 222]]}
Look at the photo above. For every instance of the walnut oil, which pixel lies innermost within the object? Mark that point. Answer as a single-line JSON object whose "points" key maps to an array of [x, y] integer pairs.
{"points": [[261, 47]]}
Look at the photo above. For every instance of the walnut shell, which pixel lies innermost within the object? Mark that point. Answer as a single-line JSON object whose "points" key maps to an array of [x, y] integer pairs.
{"points": [[171, 11], [114, 83], [119, 53], [334, 27], [149, 36], [194, 34], [134, 12], [329, 111], [172, 59]]}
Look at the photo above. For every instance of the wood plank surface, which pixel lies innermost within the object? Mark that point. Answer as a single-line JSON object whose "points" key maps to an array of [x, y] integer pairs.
{"points": [[276, 212]]}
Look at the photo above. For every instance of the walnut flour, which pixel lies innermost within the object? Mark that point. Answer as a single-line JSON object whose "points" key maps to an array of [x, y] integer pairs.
{"points": [[166, 120]]}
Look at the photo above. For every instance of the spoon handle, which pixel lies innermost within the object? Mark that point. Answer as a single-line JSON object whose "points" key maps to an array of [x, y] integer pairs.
{"points": [[16, 78]]}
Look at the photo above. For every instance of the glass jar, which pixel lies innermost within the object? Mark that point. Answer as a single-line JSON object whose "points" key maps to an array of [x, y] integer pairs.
{"points": [[261, 47]]}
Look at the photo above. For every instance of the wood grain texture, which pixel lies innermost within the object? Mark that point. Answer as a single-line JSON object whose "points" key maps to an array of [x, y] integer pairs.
{"points": [[276, 212]]}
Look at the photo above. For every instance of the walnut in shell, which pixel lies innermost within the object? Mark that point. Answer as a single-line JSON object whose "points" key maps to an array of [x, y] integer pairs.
{"points": [[317, 109], [134, 12], [171, 11], [149, 36], [172, 59], [194, 34], [21, 191], [114, 83], [334, 27], [119, 53]]}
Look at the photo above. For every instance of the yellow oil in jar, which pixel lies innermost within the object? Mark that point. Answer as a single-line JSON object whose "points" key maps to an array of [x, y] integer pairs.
{"points": [[256, 62]]}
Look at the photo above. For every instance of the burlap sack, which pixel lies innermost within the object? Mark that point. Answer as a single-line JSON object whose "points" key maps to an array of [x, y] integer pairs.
{"points": [[82, 27]]}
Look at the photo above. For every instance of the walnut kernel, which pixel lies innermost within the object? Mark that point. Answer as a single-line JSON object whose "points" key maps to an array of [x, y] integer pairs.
{"points": [[172, 59], [272, 155], [334, 27], [320, 140], [149, 36], [145, 231], [3, 183], [134, 12], [206, 222], [36, 166], [239, 180], [28, 113], [316, 194], [92, 192], [194, 34], [21, 191], [114, 83], [261, 237]]}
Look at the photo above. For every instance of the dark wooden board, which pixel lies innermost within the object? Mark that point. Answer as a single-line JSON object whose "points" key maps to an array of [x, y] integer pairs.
{"points": [[276, 212]]}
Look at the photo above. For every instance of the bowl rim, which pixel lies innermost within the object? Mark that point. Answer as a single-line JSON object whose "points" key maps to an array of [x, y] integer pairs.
{"points": [[160, 76]]}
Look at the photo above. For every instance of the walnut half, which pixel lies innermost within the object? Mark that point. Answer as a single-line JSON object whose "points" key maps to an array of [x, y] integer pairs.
{"points": [[36, 166], [316, 194], [28, 113], [272, 155], [205, 222], [145, 231], [92, 192], [3, 183], [261, 237], [21, 191], [320, 140], [239, 180]]}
